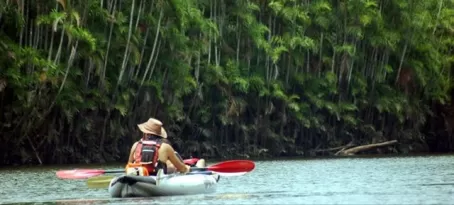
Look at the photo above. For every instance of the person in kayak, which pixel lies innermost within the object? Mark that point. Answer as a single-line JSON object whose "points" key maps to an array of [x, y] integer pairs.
{"points": [[153, 151]]}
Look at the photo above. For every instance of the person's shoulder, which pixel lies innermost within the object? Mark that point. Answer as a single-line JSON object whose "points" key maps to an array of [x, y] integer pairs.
{"points": [[165, 145]]}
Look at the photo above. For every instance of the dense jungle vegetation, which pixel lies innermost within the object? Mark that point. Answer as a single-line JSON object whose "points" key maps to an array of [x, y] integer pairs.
{"points": [[228, 78]]}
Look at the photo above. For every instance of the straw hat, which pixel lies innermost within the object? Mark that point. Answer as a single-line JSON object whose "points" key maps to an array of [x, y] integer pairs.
{"points": [[153, 126]]}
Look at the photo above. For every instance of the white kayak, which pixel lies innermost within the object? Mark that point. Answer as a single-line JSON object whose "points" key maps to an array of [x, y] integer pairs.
{"points": [[163, 185]]}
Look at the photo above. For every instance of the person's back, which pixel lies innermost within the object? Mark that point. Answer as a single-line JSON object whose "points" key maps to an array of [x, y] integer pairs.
{"points": [[152, 152]]}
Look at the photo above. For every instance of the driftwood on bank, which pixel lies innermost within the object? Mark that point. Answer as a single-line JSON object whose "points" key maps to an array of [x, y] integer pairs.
{"points": [[335, 148], [354, 150]]}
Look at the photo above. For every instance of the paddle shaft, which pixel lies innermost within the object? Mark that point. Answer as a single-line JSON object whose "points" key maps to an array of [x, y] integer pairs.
{"points": [[193, 169], [114, 171], [122, 170], [228, 167]]}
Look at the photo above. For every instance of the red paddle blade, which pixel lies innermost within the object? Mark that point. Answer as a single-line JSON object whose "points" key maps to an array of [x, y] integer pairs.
{"points": [[233, 166], [79, 173]]}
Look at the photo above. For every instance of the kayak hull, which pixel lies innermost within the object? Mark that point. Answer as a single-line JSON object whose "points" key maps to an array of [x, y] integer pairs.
{"points": [[163, 185]]}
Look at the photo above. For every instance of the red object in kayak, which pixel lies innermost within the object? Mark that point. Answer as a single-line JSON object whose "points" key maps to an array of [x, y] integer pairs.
{"points": [[191, 161]]}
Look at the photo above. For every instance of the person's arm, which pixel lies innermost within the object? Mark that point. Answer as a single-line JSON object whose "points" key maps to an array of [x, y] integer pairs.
{"points": [[179, 165], [131, 154], [170, 167]]}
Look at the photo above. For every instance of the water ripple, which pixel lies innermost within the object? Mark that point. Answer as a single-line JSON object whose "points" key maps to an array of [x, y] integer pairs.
{"points": [[406, 180]]}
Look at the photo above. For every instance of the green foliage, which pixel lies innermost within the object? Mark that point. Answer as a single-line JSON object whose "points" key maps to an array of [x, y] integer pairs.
{"points": [[279, 75]]}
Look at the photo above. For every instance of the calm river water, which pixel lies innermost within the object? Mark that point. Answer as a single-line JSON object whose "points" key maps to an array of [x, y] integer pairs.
{"points": [[390, 180]]}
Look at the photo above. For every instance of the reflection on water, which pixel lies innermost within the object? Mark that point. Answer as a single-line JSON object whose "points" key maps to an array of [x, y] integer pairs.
{"points": [[405, 180]]}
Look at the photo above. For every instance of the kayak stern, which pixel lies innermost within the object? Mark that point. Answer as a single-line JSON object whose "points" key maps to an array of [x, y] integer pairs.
{"points": [[163, 185]]}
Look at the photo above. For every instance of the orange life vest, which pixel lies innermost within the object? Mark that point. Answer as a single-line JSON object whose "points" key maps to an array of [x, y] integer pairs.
{"points": [[146, 153]]}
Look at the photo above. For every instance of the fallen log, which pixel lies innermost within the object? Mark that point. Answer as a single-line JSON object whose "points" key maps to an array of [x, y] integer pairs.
{"points": [[335, 148], [354, 150]]}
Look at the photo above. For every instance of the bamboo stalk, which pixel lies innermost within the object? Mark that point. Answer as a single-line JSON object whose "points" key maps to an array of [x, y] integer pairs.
{"points": [[103, 73], [128, 43], [153, 51], [404, 51]]}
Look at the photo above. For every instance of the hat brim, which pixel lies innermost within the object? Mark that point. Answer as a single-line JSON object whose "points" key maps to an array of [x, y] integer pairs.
{"points": [[146, 131], [163, 133]]}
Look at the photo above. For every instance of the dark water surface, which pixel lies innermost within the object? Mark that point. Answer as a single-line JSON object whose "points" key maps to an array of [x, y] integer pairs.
{"points": [[391, 180]]}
